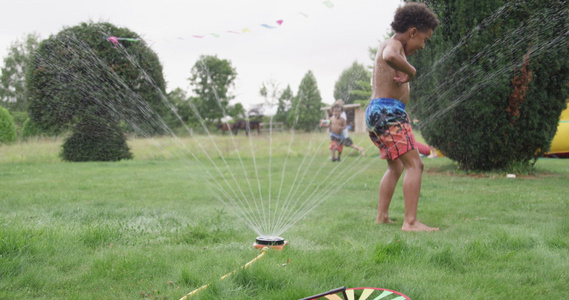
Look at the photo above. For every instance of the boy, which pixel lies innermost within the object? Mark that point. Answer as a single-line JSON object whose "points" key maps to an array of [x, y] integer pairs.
{"points": [[388, 123], [346, 133], [337, 125]]}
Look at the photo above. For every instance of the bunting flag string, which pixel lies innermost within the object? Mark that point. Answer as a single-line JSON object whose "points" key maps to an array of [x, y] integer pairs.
{"points": [[328, 3], [271, 26]]}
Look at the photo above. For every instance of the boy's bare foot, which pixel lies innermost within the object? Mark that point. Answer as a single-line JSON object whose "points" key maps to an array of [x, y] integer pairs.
{"points": [[417, 226], [385, 220], [362, 152]]}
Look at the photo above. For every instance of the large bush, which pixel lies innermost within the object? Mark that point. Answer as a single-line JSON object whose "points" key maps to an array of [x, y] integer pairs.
{"points": [[79, 76], [493, 80], [8, 133]]}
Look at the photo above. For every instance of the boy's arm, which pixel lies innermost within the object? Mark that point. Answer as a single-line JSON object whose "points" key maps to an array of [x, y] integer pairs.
{"points": [[392, 56]]}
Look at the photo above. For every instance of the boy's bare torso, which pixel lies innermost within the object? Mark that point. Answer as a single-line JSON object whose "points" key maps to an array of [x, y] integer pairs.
{"points": [[384, 86], [337, 125]]}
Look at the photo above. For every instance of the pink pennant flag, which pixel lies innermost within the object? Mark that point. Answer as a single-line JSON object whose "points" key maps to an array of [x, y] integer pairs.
{"points": [[231, 31], [280, 22], [198, 36], [113, 39]]}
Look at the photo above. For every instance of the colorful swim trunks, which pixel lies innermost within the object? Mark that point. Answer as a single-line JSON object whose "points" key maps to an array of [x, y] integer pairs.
{"points": [[336, 142], [389, 127]]}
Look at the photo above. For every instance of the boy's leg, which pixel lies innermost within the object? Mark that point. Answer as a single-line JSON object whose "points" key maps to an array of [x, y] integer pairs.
{"points": [[361, 149], [386, 189], [333, 150], [411, 189]]}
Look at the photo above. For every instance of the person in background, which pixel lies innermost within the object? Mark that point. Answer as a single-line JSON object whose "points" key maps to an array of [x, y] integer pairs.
{"points": [[346, 133], [337, 125]]}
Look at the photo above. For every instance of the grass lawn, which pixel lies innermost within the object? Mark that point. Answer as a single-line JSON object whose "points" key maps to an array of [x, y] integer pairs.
{"points": [[147, 228]]}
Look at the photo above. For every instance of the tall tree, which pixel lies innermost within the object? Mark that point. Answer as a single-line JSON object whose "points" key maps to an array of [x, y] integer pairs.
{"points": [[236, 111], [305, 113], [492, 82], [353, 84], [13, 77], [212, 79], [81, 81], [181, 104], [284, 106]]}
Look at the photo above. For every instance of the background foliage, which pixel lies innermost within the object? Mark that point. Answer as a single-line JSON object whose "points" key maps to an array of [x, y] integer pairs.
{"points": [[354, 85], [212, 79], [12, 80], [493, 80], [8, 132], [305, 112]]}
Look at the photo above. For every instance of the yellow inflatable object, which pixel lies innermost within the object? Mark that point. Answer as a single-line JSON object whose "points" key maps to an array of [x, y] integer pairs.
{"points": [[560, 142], [439, 153]]}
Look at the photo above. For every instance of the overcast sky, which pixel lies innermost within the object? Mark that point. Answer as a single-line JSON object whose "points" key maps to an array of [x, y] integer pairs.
{"points": [[324, 36]]}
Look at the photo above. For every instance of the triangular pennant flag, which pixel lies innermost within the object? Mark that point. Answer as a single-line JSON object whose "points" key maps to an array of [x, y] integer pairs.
{"points": [[113, 39], [328, 3]]}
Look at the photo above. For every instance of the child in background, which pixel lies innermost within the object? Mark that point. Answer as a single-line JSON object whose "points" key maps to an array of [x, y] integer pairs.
{"points": [[346, 132], [337, 125]]}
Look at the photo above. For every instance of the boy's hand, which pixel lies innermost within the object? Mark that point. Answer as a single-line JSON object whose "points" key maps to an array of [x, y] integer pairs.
{"points": [[402, 77]]}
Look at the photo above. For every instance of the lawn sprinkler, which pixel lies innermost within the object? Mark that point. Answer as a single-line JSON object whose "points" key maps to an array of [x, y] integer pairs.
{"points": [[273, 242]]}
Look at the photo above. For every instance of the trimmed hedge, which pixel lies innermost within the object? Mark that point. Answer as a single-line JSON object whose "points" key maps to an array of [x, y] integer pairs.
{"points": [[96, 139], [493, 80], [78, 78]]}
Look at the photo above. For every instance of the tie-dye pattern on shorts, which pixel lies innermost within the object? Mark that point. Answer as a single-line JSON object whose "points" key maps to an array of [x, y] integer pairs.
{"points": [[389, 127]]}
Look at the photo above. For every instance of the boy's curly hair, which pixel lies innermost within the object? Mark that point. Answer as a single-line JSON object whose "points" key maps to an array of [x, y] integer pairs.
{"points": [[414, 14], [336, 105]]}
